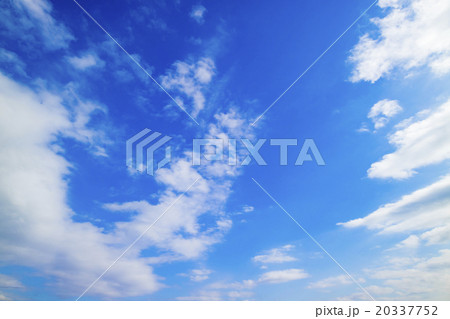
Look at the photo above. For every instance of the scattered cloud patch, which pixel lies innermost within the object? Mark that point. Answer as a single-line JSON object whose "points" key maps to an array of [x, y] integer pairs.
{"points": [[199, 274], [27, 18], [248, 209], [425, 278], [412, 242], [191, 80], [276, 255], [425, 211], [419, 142], [382, 111], [198, 13], [37, 229], [413, 33], [11, 59], [85, 61], [332, 282], [282, 276]]}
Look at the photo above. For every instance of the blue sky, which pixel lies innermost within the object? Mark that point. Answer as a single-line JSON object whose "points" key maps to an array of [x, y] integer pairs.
{"points": [[376, 104]]}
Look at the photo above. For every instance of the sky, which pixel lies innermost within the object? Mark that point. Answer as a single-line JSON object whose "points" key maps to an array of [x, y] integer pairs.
{"points": [[78, 79]]}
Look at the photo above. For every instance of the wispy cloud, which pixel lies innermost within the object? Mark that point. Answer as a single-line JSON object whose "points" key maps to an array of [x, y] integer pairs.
{"points": [[276, 255], [420, 211], [33, 187], [191, 80], [281, 276], [85, 61]]}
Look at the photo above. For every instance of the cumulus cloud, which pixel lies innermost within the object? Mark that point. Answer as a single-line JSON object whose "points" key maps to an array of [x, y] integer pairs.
{"points": [[37, 230], [197, 13], [382, 111], [180, 231], [276, 255], [191, 80], [413, 33]]}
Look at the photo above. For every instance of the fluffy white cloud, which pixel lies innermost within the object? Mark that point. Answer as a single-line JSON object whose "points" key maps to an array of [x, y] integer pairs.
{"points": [[37, 230], [199, 274], [191, 80], [243, 289], [85, 61], [419, 142], [281, 276], [413, 33], [276, 255], [197, 13], [12, 60], [382, 111]]}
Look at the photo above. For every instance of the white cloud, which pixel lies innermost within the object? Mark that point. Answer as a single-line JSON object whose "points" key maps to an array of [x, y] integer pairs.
{"points": [[437, 235], [418, 143], [245, 284], [416, 279], [178, 232], [423, 210], [9, 282], [412, 242], [199, 274], [191, 80], [423, 215], [243, 289], [13, 61], [412, 34], [37, 230], [282, 276], [276, 255], [382, 111], [197, 13], [204, 295], [248, 209], [85, 61], [363, 128], [332, 282], [241, 295], [32, 19]]}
